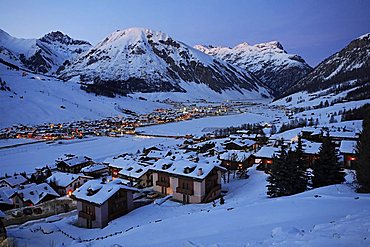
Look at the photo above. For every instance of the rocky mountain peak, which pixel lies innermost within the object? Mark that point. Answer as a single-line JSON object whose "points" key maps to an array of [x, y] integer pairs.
{"points": [[58, 36]]}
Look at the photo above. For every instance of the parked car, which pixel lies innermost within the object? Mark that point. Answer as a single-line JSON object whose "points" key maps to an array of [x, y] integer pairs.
{"points": [[37, 211], [17, 214], [27, 211]]}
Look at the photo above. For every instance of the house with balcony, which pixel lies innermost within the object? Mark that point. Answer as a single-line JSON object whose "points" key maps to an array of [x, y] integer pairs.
{"points": [[99, 202], [188, 181]]}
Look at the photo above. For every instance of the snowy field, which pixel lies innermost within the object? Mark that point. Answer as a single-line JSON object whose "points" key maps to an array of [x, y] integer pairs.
{"points": [[27, 157], [328, 216], [38, 99], [203, 125]]}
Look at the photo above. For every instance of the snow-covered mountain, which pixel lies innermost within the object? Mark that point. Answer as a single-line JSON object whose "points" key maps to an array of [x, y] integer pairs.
{"points": [[44, 55], [345, 69], [268, 61], [142, 60], [340, 82]]}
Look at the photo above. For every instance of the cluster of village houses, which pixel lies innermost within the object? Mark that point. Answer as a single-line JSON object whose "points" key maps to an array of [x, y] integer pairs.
{"points": [[117, 126], [192, 172]]}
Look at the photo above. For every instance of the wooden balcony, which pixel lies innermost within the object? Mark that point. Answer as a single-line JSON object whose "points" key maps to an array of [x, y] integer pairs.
{"points": [[189, 192], [86, 215], [163, 183]]}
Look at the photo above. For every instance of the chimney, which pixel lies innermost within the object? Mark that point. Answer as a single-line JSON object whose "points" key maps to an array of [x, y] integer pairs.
{"points": [[200, 172]]}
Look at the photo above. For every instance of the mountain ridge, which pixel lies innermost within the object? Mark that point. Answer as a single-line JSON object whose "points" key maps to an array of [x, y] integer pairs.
{"points": [[268, 61]]}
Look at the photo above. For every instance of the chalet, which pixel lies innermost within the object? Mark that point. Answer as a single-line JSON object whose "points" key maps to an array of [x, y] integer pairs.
{"points": [[187, 181], [66, 183], [72, 163], [238, 144], [236, 160], [310, 151], [130, 171], [96, 170], [13, 181], [155, 155], [137, 175], [264, 156], [33, 194], [2, 228], [202, 147], [99, 202], [348, 150]]}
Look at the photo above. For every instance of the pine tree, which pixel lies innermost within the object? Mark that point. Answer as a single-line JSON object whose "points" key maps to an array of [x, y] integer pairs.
{"points": [[363, 153], [300, 165], [277, 174], [326, 170]]}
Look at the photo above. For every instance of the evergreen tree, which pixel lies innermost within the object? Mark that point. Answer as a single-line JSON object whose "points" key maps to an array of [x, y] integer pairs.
{"points": [[326, 170], [301, 179], [363, 162], [275, 187], [287, 175]]}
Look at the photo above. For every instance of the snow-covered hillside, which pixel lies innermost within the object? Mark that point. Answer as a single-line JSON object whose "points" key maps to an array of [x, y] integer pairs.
{"points": [[44, 55], [268, 61], [345, 69], [142, 60], [36, 99], [330, 216]]}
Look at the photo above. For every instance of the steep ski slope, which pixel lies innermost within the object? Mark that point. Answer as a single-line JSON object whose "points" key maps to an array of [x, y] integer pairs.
{"points": [[44, 55], [142, 60], [268, 61]]}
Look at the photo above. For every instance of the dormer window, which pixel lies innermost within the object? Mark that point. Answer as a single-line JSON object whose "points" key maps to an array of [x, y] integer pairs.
{"points": [[166, 166]]}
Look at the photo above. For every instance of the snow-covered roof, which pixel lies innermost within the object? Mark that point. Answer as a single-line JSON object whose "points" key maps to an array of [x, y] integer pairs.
{"points": [[309, 147], [266, 152], [134, 170], [242, 143], [239, 156], [96, 192], [64, 179], [94, 167], [73, 160], [4, 197], [15, 180], [348, 147], [36, 192], [157, 154], [187, 168], [340, 134]]}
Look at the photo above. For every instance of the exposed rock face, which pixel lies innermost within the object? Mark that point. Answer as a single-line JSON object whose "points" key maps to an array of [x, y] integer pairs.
{"points": [[142, 60], [268, 61], [44, 55]]}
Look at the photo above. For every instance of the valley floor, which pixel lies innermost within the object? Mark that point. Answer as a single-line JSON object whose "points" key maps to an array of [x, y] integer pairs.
{"points": [[330, 216]]}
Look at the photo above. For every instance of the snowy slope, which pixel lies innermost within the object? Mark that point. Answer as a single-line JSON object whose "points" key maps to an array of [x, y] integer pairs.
{"points": [[37, 99], [142, 60], [44, 55], [350, 65], [268, 61], [328, 216]]}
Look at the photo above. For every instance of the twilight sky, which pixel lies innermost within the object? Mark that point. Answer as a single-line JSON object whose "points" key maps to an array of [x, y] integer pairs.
{"points": [[313, 29]]}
